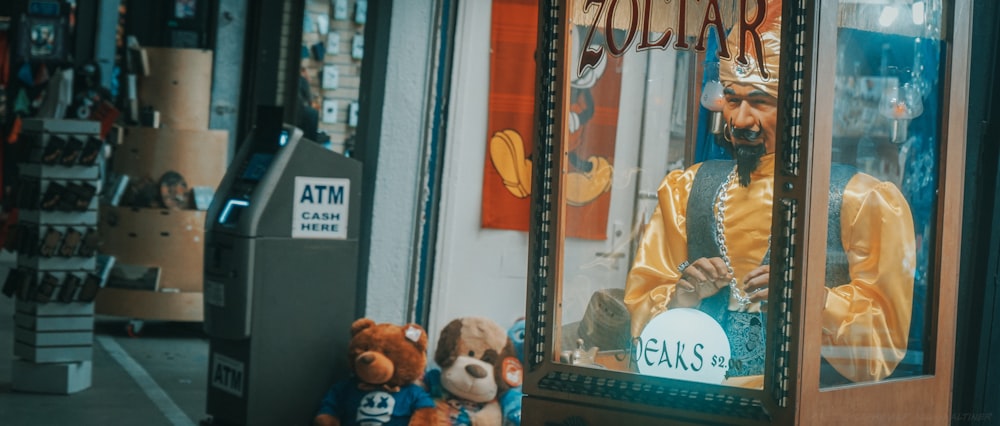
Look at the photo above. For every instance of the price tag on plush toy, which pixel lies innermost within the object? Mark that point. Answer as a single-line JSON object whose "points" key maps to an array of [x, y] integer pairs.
{"points": [[683, 344], [413, 333]]}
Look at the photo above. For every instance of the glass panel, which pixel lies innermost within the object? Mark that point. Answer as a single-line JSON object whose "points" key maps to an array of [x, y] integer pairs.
{"points": [[666, 238], [883, 190]]}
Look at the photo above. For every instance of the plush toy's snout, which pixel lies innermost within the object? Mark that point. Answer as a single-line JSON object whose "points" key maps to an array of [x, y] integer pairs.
{"points": [[471, 379], [374, 367], [476, 371]]}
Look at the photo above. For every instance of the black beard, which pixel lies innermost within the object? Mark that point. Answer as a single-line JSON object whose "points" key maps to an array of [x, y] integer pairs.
{"points": [[747, 159]]}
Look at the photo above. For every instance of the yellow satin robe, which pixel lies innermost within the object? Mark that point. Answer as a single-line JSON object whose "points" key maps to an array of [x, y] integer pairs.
{"points": [[865, 322]]}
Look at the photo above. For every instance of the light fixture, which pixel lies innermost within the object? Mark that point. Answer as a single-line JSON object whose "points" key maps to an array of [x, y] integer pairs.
{"points": [[712, 97], [900, 104], [888, 16], [917, 11]]}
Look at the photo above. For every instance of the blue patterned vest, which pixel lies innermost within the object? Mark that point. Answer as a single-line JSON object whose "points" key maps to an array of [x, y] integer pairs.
{"points": [[746, 331]]}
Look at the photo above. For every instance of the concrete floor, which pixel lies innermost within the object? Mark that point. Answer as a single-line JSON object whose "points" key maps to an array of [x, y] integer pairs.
{"points": [[157, 378]]}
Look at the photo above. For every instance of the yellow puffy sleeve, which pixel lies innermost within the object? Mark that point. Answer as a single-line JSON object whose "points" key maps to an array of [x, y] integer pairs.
{"points": [[651, 281], [866, 321]]}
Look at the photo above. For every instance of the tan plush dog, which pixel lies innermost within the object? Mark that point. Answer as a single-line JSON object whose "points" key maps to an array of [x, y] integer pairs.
{"points": [[478, 364]]}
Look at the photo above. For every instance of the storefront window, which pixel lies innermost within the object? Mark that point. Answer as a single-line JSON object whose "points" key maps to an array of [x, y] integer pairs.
{"points": [[667, 183]]}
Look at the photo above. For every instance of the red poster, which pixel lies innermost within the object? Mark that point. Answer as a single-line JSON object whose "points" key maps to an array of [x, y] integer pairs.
{"points": [[593, 116]]}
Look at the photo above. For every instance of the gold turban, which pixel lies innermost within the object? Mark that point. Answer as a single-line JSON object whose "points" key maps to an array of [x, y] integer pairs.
{"points": [[761, 74]]}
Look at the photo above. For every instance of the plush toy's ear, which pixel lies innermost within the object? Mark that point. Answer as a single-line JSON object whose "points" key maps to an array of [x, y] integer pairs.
{"points": [[361, 324], [416, 335], [447, 343]]}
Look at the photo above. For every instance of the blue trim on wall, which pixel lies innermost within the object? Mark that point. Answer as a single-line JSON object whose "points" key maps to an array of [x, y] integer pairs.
{"points": [[425, 263]]}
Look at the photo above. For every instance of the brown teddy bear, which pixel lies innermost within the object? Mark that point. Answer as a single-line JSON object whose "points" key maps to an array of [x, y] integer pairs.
{"points": [[387, 360], [477, 365]]}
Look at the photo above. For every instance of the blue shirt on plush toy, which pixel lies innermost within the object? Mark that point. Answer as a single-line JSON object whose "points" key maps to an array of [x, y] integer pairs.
{"points": [[376, 407]]}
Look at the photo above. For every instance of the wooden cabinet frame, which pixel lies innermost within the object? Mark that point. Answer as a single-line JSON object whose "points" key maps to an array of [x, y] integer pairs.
{"points": [[558, 393]]}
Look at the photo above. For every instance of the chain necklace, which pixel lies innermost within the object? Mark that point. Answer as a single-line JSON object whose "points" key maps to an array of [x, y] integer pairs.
{"points": [[720, 239]]}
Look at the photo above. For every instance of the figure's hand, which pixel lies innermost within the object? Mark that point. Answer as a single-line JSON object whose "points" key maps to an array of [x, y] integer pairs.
{"points": [[702, 278], [755, 284]]}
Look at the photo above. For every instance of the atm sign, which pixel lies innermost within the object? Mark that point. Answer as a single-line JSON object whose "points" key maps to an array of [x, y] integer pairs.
{"points": [[227, 374], [320, 207]]}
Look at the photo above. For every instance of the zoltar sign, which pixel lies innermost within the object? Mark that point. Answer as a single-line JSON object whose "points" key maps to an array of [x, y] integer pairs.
{"points": [[657, 24]]}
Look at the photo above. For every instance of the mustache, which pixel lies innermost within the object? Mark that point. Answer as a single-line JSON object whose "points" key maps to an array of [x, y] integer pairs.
{"points": [[748, 134]]}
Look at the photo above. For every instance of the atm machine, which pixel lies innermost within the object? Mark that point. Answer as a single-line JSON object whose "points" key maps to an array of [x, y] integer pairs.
{"points": [[280, 288]]}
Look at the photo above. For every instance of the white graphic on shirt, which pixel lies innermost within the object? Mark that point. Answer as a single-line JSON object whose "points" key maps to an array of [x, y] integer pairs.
{"points": [[376, 408]]}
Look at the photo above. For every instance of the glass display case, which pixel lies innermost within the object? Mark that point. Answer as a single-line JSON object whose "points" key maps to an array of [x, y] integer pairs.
{"points": [[776, 188]]}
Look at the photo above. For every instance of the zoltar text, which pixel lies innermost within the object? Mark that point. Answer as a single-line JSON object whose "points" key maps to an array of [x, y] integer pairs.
{"points": [[628, 11]]}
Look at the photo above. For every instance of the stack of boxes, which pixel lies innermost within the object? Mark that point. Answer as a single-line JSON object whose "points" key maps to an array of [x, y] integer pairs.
{"points": [[165, 237], [56, 278]]}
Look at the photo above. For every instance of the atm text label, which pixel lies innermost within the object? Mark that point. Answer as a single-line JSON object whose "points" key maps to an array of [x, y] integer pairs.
{"points": [[320, 216], [322, 194], [320, 227]]}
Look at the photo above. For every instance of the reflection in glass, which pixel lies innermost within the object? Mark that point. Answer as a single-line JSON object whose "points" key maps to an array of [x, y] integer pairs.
{"points": [[883, 189], [900, 104], [712, 98]]}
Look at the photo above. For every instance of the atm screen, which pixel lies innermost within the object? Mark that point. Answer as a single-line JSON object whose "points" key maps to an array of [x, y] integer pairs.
{"points": [[256, 166], [230, 214], [258, 162]]}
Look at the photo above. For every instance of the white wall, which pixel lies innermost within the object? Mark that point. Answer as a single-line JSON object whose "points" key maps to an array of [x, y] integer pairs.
{"points": [[477, 271], [480, 272], [395, 218]]}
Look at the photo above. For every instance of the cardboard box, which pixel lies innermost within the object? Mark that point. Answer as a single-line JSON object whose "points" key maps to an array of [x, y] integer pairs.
{"points": [[179, 86], [173, 240], [199, 155], [150, 305]]}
